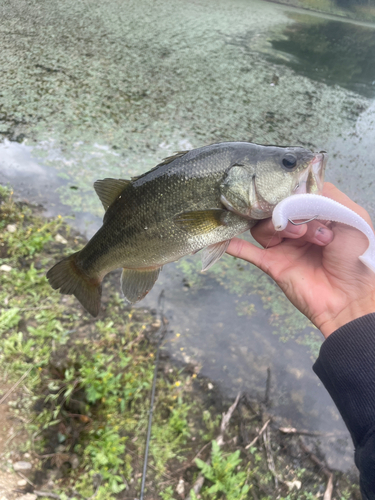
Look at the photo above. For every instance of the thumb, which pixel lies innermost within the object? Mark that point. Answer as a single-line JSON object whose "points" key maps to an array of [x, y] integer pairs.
{"points": [[247, 251]]}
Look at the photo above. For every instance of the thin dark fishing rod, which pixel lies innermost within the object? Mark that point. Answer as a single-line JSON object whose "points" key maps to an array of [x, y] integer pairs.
{"points": [[151, 410]]}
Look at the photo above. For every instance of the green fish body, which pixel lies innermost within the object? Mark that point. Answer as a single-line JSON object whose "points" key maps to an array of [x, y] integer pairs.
{"points": [[194, 200]]}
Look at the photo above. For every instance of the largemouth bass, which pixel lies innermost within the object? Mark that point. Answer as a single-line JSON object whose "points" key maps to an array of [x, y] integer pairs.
{"points": [[194, 200]]}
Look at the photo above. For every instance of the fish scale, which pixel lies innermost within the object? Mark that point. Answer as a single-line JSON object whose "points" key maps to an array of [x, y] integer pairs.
{"points": [[194, 200]]}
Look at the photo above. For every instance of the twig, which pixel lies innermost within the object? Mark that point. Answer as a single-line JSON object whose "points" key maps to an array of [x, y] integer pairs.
{"points": [[46, 494], [15, 385], [36, 308], [25, 478], [197, 485], [329, 488], [39, 308], [270, 461], [258, 436], [192, 462], [135, 341], [323, 468], [314, 458], [9, 440], [225, 420], [248, 403], [220, 441], [292, 430], [268, 388]]}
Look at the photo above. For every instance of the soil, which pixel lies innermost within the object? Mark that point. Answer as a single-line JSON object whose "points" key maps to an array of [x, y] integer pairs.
{"points": [[12, 436]]}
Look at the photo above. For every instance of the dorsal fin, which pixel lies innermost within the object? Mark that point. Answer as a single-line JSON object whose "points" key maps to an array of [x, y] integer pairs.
{"points": [[173, 157], [109, 189], [167, 160]]}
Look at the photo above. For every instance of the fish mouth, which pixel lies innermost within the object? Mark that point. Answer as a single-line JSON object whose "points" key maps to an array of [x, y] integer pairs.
{"points": [[312, 178]]}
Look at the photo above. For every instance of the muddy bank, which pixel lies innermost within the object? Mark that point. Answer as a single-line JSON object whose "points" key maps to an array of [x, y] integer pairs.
{"points": [[81, 409]]}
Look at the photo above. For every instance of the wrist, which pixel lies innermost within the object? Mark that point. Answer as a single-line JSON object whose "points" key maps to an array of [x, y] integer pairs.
{"points": [[354, 310]]}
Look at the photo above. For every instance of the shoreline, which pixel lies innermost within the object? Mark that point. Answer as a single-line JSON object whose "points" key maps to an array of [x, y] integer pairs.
{"points": [[86, 397]]}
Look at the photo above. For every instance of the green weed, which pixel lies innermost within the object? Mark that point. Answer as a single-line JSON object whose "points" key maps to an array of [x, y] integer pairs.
{"points": [[167, 494], [211, 423], [87, 384], [222, 473]]}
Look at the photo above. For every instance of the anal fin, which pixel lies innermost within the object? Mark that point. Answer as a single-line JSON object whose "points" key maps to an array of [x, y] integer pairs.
{"points": [[212, 254], [136, 283]]}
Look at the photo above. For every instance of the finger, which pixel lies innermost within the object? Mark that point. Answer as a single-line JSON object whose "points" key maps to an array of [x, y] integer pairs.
{"points": [[314, 232], [265, 233], [245, 250], [318, 233]]}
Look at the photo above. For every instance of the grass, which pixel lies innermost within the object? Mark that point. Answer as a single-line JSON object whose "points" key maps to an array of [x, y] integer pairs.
{"points": [[84, 402]]}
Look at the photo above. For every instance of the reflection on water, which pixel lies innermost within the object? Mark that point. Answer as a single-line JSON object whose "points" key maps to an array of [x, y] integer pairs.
{"points": [[333, 52]]}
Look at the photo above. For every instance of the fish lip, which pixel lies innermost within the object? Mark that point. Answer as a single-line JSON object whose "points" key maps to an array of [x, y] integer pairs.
{"points": [[317, 169], [312, 179]]}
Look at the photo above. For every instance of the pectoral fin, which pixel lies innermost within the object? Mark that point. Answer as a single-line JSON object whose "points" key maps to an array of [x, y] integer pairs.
{"points": [[136, 283], [201, 221], [212, 254]]}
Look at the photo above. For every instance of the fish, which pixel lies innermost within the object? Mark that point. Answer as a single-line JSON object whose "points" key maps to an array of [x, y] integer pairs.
{"points": [[193, 200]]}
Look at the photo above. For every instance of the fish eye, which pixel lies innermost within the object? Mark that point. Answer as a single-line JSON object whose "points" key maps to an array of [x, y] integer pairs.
{"points": [[289, 161]]}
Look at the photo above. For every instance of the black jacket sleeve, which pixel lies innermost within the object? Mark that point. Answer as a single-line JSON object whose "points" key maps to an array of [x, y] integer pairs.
{"points": [[346, 366]]}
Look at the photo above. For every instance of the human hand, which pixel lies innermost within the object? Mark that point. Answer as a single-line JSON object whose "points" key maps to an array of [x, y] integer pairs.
{"points": [[316, 265]]}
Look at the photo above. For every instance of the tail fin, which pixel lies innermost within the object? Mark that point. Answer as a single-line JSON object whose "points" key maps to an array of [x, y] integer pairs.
{"points": [[67, 276]]}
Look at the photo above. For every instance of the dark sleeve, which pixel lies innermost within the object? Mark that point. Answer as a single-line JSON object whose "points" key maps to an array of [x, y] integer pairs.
{"points": [[346, 366]]}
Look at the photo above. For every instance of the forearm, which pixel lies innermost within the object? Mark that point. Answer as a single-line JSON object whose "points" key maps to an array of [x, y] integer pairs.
{"points": [[346, 366]]}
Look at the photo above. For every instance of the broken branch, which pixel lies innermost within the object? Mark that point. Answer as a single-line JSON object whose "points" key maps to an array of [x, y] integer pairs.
{"points": [[323, 468], [258, 436]]}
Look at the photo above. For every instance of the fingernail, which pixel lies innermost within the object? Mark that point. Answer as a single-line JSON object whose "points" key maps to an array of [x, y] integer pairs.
{"points": [[323, 235], [294, 229]]}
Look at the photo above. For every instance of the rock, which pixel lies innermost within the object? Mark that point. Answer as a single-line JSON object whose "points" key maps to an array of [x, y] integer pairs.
{"points": [[22, 466], [11, 228], [74, 460], [28, 496], [22, 482], [181, 488], [60, 239], [5, 268], [210, 386], [294, 484]]}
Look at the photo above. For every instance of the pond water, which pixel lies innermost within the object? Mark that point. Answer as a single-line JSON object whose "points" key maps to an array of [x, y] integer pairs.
{"points": [[333, 52], [91, 91]]}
